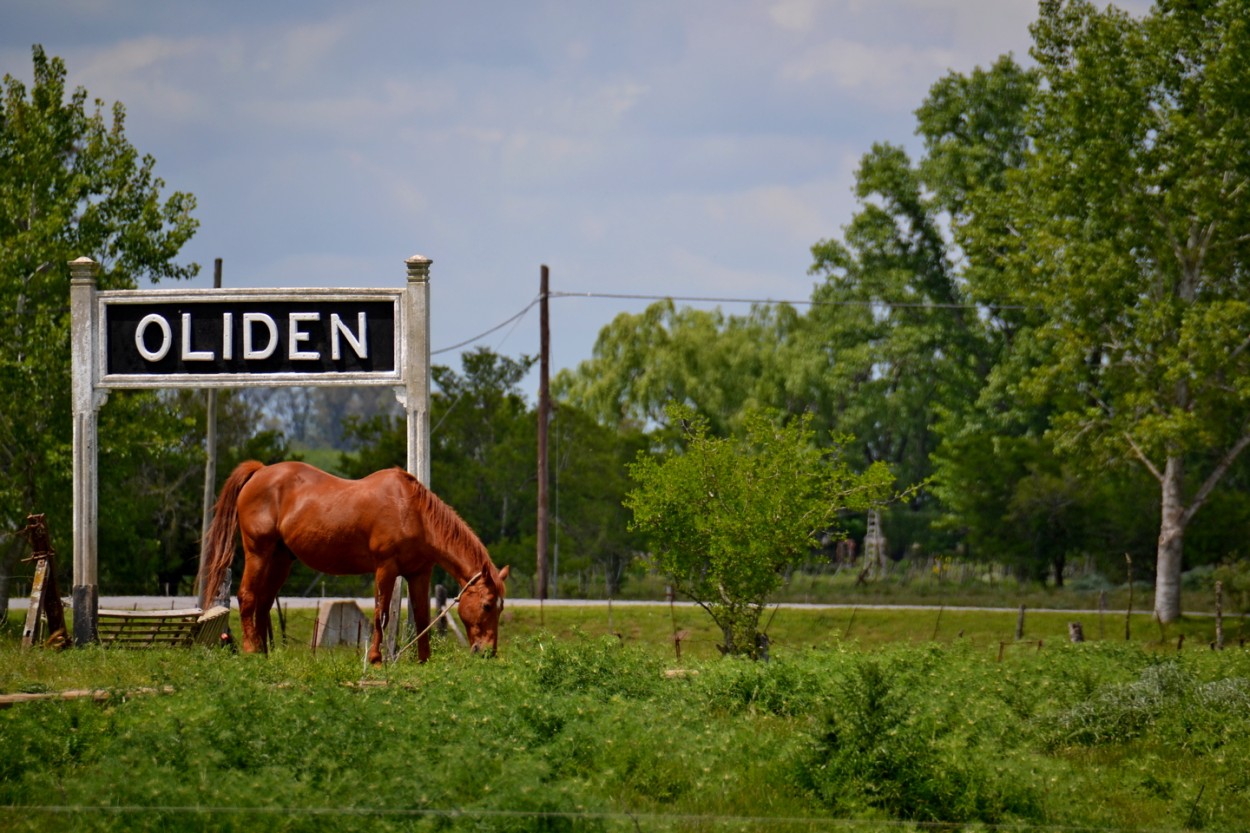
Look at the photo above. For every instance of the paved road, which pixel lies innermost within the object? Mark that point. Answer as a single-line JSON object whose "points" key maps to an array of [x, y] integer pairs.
{"points": [[311, 602]]}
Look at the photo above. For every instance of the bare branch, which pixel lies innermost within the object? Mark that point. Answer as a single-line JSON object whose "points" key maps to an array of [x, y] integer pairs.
{"points": [[39, 270], [1240, 348], [1141, 455], [1241, 186], [1204, 244], [1214, 478]]}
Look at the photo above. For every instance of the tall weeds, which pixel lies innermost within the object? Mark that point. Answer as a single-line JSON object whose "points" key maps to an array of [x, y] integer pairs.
{"points": [[587, 734]]}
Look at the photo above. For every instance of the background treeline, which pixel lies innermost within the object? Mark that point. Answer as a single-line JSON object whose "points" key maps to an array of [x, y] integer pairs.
{"points": [[1040, 313]]}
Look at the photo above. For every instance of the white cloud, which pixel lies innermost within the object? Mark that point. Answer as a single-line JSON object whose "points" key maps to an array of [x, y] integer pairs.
{"points": [[893, 73], [369, 111], [142, 73], [303, 51], [694, 272], [318, 267], [795, 15], [617, 99]]}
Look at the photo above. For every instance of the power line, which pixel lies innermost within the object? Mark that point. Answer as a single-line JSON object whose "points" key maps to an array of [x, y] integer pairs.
{"points": [[517, 318], [710, 299], [807, 302], [480, 336]]}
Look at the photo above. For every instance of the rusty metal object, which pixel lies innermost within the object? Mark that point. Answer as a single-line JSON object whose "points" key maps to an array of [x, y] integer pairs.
{"points": [[45, 597]]}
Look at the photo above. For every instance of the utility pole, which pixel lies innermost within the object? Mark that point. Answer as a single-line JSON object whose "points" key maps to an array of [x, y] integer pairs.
{"points": [[207, 594], [544, 417]]}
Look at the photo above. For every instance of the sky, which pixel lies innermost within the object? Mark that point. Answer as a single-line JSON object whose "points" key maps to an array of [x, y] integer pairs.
{"points": [[651, 147]]}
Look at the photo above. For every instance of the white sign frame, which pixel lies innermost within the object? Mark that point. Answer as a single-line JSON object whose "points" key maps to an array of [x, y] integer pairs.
{"points": [[91, 384], [136, 297]]}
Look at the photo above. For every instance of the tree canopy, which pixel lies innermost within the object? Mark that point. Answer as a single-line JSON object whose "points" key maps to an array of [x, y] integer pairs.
{"points": [[71, 185], [1126, 222], [1043, 312]]}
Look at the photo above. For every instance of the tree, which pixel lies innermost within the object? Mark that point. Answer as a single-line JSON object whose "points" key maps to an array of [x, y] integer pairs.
{"points": [[726, 517], [888, 341], [1127, 224], [890, 317], [720, 365], [590, 469], [893, 345], [71, 184], [482, 443]]}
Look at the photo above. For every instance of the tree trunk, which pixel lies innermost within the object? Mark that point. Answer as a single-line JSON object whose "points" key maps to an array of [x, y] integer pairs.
{"points": [[1171, 544]]}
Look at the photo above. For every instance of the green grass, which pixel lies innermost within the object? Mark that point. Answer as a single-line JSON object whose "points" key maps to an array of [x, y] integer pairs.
{"points": [[574, 728], [801, 628], [960, 584], [652, 627]]}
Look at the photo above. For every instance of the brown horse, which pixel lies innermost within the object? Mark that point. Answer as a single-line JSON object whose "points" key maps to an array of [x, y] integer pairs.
{"points": [[388, 524]]}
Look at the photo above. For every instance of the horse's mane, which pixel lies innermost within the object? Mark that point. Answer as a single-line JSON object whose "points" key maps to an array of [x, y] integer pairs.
{"points": [[449, 530]]}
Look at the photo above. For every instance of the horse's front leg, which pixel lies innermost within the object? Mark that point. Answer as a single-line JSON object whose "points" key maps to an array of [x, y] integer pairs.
{"points": [[383, 589], [419, 604]]}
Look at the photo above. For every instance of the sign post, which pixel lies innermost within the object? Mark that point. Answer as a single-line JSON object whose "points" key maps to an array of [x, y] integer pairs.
{"points": [[224, 338], [87, 402]]}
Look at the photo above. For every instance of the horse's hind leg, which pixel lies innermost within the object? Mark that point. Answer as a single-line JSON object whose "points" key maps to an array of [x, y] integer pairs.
{"points": [[250, 591], [384, 589], [265, 568], [279, 570]]}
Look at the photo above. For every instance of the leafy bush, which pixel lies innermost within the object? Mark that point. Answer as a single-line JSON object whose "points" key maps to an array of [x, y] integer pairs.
{"points": [[599, 666], [785, 687], [1093, 582], [1167, 698], [728, 518], [879, 746]]}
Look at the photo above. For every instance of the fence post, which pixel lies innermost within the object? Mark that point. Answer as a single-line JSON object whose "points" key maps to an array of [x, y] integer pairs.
{"points": [[1219, 616], [1020, 624], [1128, 613], [440, 604]]}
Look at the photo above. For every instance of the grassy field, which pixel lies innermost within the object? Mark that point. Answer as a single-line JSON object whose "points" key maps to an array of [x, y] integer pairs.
{"points": [[863, 720], [651, 626], [951, 584]]}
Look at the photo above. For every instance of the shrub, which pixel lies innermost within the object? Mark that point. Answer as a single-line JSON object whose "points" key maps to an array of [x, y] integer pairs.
{"points": [[879, 747], [1167, 699], [600, 666], [784, 687]]}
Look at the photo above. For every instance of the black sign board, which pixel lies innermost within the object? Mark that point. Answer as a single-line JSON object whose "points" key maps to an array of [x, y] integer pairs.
{"points": [[250, 337]]}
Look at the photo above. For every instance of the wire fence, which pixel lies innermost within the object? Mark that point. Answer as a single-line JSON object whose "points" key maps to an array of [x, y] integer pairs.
{"points": [[543, 820]]}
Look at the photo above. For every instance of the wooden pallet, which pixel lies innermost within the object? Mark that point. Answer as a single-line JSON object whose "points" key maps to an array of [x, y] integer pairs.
{"points": [[162, 628]]}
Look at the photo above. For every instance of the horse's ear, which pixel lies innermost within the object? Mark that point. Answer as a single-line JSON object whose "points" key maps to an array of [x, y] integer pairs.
{"points": [[503, 573]]}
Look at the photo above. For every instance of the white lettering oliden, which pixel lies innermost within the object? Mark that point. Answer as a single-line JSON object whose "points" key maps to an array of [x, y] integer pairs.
{"points": [[167, 337]]}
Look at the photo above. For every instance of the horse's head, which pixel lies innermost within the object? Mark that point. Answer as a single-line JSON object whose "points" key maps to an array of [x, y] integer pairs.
{"points": [[481, 602]]}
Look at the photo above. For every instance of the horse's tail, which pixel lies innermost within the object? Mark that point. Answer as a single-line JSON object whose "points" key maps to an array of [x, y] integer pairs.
{"points": [[218, 544]]}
